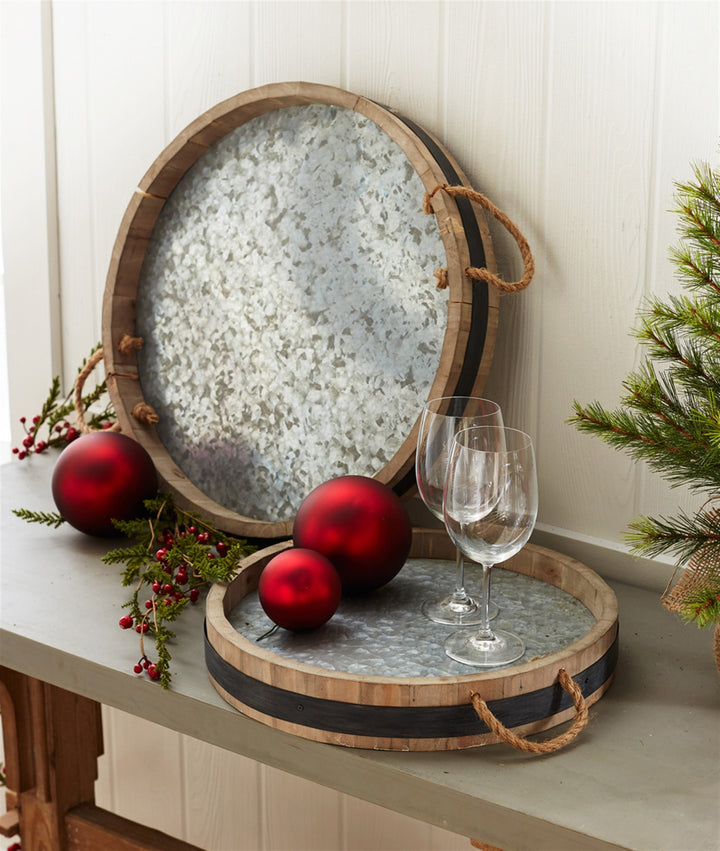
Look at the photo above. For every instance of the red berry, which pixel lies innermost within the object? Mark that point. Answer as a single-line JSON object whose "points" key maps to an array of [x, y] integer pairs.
{"points": [[194, 594], [192, 530], [222, 548], [22, 455], [142, 627], [153, 672], [156, 586], [15, 450], [210, 555], [145, 664], [72, 434], [27, 442], [36, 419], [161, 554], [148, 604], [126, 621], [181, 577], [22, 419], [138, 668], [167, 588]]}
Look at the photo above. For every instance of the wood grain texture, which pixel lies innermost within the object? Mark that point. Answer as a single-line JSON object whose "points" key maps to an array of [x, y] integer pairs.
{"points": [[472, 309], [326, 698]]}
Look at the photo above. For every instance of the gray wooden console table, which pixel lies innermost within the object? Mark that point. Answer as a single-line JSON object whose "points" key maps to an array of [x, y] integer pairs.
{"points": [[644, 774]]}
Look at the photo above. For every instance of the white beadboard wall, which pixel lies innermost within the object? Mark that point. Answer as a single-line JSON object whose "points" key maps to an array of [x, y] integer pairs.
{"points": [[574, 117]]}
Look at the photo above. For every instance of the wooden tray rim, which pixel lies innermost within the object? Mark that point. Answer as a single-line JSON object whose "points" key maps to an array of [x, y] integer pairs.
{"points": [[139, 221], [574, 658]]}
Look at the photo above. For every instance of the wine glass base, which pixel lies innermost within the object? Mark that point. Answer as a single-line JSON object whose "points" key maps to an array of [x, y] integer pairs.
{"points": [[506, 647], [452, 613]]}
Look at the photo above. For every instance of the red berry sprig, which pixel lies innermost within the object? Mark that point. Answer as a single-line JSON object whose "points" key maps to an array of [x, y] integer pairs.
{"points": [[52, 426], [176, 556]]}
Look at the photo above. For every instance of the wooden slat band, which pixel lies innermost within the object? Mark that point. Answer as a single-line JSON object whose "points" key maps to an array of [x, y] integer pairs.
{"points": [[417, 722]]}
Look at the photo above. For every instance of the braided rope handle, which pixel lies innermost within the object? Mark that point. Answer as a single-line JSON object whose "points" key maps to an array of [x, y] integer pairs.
{"points": [[90, 365], [482, 274], [550, 745], [142, 412]]}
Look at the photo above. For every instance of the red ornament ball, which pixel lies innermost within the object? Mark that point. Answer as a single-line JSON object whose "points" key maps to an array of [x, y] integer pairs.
{"points": [[299, 589], [360, 525], [102, 476]]}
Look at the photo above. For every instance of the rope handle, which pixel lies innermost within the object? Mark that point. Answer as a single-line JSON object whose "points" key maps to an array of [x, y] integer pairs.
{"points": [[142, 412], [550, 745], [483, 274]]}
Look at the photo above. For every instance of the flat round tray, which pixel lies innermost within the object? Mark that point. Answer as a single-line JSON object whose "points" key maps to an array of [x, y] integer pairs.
{"points": [[277, 265], [375, 676]]}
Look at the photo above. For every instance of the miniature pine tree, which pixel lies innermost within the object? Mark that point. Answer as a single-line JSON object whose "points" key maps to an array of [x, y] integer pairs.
{"points": [[670, 412]]}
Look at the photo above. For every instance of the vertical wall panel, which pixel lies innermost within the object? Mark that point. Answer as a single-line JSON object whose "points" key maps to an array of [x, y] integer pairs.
{"points": [[495, 121], [29, 221], [596, 216], [110, 100], [687, 129], [145, 764], [299, 814], [370, 826], [298, 41], [393, 55], [207, 58], [222, 807]]}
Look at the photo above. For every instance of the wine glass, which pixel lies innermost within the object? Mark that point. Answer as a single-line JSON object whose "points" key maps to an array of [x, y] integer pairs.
{"points": [[441, 420], [490, 506]]}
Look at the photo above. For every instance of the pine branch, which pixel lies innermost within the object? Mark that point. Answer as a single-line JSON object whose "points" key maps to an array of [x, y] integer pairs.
{"points": [[46, 518], [681, 536], [703, 606], [664, 446]]}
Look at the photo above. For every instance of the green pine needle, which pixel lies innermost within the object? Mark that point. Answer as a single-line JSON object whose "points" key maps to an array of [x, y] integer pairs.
{"points": [[669, 414], [46, 518]]}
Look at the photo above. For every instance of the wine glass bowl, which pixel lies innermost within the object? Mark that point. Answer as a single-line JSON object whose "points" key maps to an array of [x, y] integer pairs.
{"points": [[441, 420], [490, 508]]}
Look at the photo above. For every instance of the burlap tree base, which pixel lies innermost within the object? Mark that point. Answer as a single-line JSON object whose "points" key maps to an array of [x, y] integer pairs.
{"points": [[701, 570]]}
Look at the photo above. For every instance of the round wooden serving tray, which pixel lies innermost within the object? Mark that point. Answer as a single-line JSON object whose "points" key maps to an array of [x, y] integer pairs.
{"points": [[236, 439], [418, 712]]}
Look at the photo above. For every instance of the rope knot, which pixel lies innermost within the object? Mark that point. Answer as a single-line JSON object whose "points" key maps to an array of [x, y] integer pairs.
{"points": [[484, 274], [518, 742]]}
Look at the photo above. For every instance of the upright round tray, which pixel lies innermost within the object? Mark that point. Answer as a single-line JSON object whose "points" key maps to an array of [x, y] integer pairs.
{"points": [[412, 713], [465, 348]]}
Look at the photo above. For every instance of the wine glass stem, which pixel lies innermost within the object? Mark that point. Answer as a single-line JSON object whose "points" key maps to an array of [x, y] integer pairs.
{"points": [[460, 594], [485, 633]]}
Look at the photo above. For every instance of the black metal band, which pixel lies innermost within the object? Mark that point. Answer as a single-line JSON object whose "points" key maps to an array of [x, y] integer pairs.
{"points": [[480, 299], [413, 722]]}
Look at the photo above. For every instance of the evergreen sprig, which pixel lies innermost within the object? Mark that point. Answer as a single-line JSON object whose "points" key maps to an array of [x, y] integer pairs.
{"points": [[174, 555], [46, 518], [53, 426], [669, 414]]}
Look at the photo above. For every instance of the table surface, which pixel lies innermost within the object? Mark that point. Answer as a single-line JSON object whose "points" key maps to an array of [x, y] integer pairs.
{"points": [[644, 774]]}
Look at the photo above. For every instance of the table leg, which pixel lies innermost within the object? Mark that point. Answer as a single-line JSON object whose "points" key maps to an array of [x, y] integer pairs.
{"points": [[53, 739]]}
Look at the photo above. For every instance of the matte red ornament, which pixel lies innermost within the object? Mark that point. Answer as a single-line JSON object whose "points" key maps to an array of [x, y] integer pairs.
{"points": [[102, 476], [299, 589], [360, 525]]}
